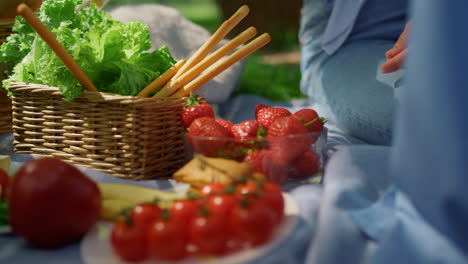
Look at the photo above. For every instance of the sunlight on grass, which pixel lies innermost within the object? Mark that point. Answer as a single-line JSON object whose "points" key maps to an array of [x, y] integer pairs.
{"points": [[275, 82]]}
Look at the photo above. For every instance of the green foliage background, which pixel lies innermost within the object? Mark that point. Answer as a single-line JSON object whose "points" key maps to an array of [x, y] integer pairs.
{"points": [[275, 82]]}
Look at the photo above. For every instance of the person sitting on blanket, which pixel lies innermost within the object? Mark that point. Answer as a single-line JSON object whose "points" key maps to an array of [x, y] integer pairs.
{"points": [[344, 46]]}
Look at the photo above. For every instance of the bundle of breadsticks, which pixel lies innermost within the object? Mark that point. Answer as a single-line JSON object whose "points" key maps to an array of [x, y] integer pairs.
{"points": [[186, 77]]}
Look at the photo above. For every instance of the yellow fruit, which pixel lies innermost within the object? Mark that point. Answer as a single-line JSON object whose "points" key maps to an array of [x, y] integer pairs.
{"points": [[115, 198], [133, 193], [111, 210]]}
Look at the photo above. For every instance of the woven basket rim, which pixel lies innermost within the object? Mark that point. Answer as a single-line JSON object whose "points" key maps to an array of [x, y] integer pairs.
{"points": [[89, 95]]}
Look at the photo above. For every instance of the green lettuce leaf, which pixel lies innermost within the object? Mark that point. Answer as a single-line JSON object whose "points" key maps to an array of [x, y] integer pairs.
{"points": [[114, 55]]}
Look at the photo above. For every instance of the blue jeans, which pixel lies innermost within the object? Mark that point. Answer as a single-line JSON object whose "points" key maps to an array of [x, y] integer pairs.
{"points": [[347, 86]]}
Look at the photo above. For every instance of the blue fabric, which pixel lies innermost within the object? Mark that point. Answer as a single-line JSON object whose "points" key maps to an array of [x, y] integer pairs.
{"points": [[355, 178], [342, 19], [429, 161], [422, 217], [347, 86], [402, 234], [361, 19]]}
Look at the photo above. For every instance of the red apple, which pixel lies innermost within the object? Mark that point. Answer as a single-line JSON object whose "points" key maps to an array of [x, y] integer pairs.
{"points": [[52, 203]]}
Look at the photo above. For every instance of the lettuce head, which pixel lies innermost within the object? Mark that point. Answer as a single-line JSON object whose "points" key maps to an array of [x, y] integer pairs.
{"points": [[114, 55]]}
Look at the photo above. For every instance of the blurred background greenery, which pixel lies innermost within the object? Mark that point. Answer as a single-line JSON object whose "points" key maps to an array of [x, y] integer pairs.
{"points": [[273, 71]]}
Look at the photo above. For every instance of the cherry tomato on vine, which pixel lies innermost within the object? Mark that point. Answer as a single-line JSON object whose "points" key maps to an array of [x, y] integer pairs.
{"points": [[167, 239], [212, 188], [252, 222], [221, 204], [185, 210], [128, 242], [273, 197], [250, 188], [208, 234], [144, 214]]}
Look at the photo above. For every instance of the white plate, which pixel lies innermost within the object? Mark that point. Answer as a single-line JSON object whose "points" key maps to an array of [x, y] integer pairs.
{"points": [[96, 249]]}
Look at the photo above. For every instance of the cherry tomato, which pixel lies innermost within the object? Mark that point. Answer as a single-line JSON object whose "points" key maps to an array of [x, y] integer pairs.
{"points": [[221, 204], [208, 234], [212, 188], [185, 210], [4, 183], [252, 223], [128, 242], [167, 239], [273, 197], [249, 188], [144, 214]]}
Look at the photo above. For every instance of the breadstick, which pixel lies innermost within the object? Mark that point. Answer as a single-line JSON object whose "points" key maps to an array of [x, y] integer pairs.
{"points": [[222, 31], [224, 64], [161, 80], [53, 43]]}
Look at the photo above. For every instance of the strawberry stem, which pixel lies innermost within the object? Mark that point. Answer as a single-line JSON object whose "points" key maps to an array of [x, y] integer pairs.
{"points": [[261, 132], [311, 122], [192, 100]]}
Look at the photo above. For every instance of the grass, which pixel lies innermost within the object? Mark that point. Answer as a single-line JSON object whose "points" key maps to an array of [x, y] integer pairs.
{"points": [[275, 82]]}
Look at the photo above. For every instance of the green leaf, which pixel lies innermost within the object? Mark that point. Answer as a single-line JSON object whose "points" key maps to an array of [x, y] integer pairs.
{"points": [[114, 55]]}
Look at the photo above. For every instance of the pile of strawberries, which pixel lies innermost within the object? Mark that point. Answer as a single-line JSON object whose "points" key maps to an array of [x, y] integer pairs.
{"points": [[277, 143]]}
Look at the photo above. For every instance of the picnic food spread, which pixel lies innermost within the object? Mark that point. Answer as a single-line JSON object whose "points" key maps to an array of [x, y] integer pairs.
{"points": [[233, 203]]}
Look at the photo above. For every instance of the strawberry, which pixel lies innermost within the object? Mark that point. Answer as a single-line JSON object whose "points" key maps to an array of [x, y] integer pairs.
{"points": [[201, 134], [274, 171], [245, 130], [226, 124], [255, 159], [267, 115], [288, 139], [306, 115], [258, 107], [262, 162], [306, 165], [310, 119], [194, 110], [316, 125]]}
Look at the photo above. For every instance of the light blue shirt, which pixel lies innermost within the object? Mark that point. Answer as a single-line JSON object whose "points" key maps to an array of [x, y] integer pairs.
{"points": [[340, 23]]}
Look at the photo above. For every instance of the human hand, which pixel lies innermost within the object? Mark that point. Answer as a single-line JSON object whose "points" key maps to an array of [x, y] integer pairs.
{"points": [[396, 55]]}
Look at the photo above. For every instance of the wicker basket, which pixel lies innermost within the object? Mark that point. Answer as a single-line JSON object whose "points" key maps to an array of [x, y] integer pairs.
{"points": [[128, 137], [5, 102]]}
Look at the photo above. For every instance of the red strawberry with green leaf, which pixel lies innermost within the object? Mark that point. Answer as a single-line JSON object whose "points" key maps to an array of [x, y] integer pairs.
{"points": [[246, 130], [208, 137], [226, 124], [194, 109], [306, 165], [288, 139], [267, 115], [310, 119]]}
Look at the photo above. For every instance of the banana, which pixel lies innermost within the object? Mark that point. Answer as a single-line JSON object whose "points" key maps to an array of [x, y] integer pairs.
{"points": [[111, 210], [115, 198]]}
